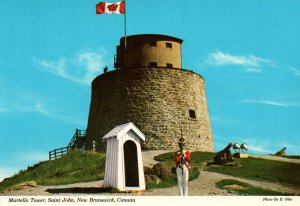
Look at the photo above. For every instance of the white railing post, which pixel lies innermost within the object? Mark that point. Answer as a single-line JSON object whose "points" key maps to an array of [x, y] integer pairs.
{"points": [[94, 145]]}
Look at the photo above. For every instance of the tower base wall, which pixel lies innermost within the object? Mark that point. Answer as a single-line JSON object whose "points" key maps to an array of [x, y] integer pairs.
{"points": [[159, 101]]}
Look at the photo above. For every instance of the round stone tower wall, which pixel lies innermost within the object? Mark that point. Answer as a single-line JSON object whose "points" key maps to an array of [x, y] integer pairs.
{"points": [[160, 102]]}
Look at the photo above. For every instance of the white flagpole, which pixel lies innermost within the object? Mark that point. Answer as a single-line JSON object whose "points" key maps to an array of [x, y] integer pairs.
{"points": [[125, 25]]}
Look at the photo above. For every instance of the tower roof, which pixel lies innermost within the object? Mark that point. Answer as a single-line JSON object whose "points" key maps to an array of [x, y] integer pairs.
{"points": [[153, 36]]}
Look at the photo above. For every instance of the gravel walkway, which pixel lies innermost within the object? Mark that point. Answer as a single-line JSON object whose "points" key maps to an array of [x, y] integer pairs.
{"points": [[204, 185]]}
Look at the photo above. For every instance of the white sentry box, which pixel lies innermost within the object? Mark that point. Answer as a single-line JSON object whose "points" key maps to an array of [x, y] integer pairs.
{"points": [[124, 165]]}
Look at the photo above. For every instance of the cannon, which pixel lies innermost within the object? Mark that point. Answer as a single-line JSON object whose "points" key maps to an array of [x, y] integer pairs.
{"points": [[224, 156], [281, 152]]}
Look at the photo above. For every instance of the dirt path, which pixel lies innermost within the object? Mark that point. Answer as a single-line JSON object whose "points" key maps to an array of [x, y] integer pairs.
{"points": [[204, 185]]}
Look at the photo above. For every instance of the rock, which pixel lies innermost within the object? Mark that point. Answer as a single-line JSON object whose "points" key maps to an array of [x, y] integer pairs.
{"points": [[159, 172], [23, 186], [151, 179], [163, 170], [147, 170]]}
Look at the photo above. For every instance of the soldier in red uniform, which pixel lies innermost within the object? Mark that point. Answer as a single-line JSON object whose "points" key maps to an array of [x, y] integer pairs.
{"points": [[182, 159]]}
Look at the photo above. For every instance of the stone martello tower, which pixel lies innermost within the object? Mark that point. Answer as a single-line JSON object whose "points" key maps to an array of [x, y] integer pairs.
{"points": [[150, 89]]}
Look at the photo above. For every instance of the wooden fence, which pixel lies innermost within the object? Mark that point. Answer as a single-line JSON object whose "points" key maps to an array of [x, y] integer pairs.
{"points": [[77, 142], [57, 153]]}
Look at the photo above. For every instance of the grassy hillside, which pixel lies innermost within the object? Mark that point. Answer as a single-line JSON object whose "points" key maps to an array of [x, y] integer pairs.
{"points": [[85, 166], [77, 166]]}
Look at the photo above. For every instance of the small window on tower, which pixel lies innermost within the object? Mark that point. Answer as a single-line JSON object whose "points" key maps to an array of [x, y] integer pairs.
{"points": [[153, 64], [152, 43], [192, 114], [169, 45], [169, 65]]}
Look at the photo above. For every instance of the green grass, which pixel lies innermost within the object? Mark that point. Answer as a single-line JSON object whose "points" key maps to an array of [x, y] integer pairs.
{"points": [[77, 166], [247, 189], [82, 166], [196, 157], [262, 170], [162, 184], [251, 168]]}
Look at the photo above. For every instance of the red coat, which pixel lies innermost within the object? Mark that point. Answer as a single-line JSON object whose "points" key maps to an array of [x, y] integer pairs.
{"points": [[187, 156]]}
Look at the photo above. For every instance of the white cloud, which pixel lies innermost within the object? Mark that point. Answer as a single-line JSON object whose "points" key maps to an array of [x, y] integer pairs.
{"points": [[295, 71], [39, 108], [261, 145], [254, 70], [28, 102], [272, 103], [256, 145], [82, 68], [220, 58], [30, 107], [259, 149]]}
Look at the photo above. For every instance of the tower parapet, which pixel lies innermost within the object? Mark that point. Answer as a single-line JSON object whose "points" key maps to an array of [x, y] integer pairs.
{"points": [[149, 50]]}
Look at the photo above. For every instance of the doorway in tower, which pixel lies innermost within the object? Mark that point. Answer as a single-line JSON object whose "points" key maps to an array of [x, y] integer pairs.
{"points": [[131, 164]]}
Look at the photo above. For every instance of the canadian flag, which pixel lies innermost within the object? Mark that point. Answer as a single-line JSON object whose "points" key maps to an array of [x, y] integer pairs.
{"points": [[110, 8]]}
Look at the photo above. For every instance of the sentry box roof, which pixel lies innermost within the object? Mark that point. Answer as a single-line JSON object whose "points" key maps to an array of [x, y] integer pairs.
{"points": [[120, 130]]}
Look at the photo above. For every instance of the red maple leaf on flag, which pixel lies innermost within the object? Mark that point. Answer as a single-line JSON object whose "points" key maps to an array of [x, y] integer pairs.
{"points": [[112, 7]]}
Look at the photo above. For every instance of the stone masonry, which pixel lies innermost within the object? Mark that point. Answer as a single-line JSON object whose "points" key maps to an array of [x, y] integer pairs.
{"points": [[158, 101]]}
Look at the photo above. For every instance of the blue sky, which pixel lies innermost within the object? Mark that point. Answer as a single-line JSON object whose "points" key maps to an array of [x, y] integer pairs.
{"points": [[247, 51]]}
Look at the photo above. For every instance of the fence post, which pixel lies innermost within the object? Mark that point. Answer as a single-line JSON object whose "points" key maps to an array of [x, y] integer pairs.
{"points": [[94, 145]]}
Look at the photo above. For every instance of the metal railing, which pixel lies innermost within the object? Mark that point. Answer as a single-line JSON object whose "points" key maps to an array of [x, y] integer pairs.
{"points": [[73, 144]]}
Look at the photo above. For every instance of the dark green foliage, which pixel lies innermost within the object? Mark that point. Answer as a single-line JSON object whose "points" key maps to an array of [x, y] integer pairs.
{"points": [[262, 170], [247, 189], [77, 166], [166, 157], [194, 174]]}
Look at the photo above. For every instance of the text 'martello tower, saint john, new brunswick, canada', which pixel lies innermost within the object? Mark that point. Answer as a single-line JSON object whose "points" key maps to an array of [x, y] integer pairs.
{"points": [[150, 88]]}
